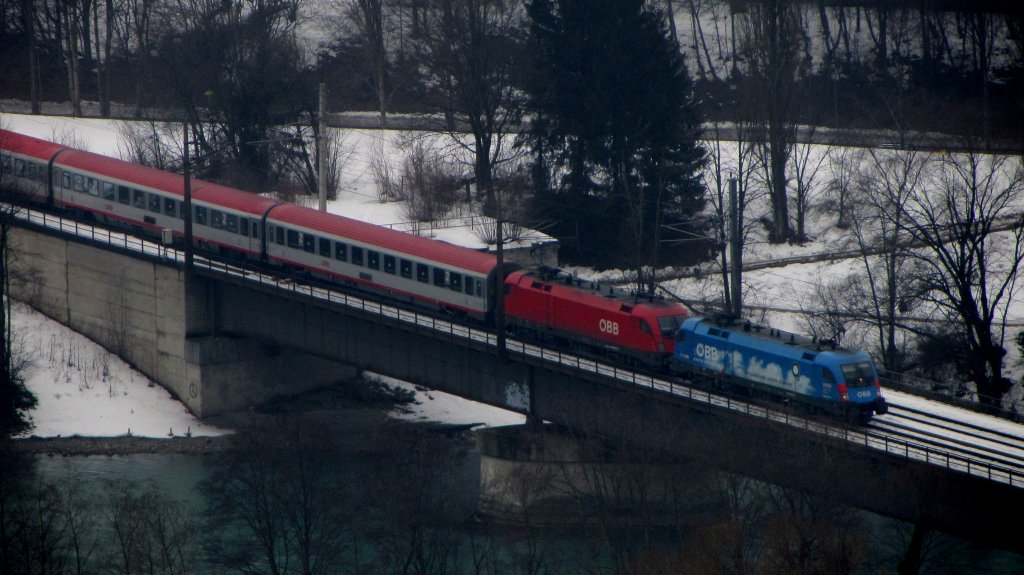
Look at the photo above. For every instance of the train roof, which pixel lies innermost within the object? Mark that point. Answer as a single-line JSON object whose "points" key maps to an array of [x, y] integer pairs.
{"points": [[170, 182], [757, 335], [29, 146], [597, 296], [385, 238]]}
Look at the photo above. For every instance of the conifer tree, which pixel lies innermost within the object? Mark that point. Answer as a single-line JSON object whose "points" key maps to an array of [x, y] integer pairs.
{"points": [[615, 118]]}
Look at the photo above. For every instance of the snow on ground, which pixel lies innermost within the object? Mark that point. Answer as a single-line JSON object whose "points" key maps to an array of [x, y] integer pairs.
{"points": [[83, 389]]}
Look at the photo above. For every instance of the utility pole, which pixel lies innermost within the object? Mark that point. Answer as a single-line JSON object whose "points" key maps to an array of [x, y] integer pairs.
{"points": [[735, 250], [499, 304], [321, 145], [188, 202]]}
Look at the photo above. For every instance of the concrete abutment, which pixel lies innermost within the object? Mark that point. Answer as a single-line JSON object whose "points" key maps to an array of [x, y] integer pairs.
{"points": [[139, 309]]}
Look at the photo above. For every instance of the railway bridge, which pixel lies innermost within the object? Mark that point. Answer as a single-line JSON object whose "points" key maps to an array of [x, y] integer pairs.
{"points": [[223, 337]]}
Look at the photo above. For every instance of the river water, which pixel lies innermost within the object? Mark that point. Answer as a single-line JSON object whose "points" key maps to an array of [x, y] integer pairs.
{"points": [[506, 549]]}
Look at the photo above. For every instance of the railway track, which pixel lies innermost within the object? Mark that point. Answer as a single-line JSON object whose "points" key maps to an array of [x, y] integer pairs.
{"points": [[968, 438]]}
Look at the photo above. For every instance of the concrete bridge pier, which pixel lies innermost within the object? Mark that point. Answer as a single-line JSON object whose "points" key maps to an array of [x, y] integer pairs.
{"points": [[140, 309], [544, 475]]}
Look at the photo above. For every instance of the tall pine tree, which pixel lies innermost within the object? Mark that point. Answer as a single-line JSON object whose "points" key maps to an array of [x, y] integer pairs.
{"points": [[615, 120]]}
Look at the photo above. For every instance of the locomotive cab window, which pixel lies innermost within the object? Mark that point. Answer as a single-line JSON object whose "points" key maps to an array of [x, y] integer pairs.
{"points": [[858, 374], [827, 375], [644, 327], [669, 324]]}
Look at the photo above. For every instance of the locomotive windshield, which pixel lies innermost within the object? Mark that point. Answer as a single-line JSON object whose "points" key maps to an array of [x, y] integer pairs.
{"points": [[669, 324], [858, 374]]}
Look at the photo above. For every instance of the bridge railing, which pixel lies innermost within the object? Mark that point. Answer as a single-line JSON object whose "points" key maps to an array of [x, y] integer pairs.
{"points": [[898, 447]]}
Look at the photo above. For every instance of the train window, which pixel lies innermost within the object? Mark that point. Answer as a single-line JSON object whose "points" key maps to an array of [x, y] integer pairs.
{"points": [[31, 171], [357, 255], [77, 183], [124, 195], [139, 199], [309, 243], [200, 218], [93, 187], [19, 167], [406, 269], [479, 288], [154, 203], [108, 192], [279, 235], [231, 223], [373, 260], [340, 252], [669, 324], [389, 264], [858, 374], [181, 210], [243, 226], [41, 173], [5, 162], [255, 229], [293, 238], [469, 285], [325, 247], [440, 277], [216, 219], [827, 375], [169, 207], [455, 281], [65, 180], [422, 273]]}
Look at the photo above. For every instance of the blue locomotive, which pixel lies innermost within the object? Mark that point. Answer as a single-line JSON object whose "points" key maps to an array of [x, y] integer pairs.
{"points": [[817, 373]]}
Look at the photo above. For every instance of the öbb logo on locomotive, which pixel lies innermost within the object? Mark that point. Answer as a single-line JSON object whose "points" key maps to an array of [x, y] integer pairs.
{"points": [[608, 326]]}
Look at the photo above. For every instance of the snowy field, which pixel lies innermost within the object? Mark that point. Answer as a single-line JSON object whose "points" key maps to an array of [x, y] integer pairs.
{"points": [[111, 405]]}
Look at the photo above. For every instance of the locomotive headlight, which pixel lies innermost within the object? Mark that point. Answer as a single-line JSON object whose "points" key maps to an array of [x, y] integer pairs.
{"points": [[844, 393]]}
